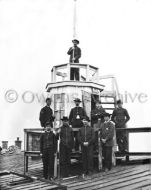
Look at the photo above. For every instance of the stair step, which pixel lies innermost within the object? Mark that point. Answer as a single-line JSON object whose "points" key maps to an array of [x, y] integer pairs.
{"points": [[107, 102], [107, 96], [109, 108], [108, 93]]}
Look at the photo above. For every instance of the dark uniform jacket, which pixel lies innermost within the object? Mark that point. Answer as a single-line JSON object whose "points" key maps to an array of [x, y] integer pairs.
{"points": [[48, 141], [86, 134], [66, 136], [120, 116], [97, 114], [107, 132], [73, 120], [77, 54], [46, 115]]}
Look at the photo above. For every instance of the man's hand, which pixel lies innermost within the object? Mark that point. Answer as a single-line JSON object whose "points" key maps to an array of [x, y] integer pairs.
{"points": [[123, 123], [85, 143], [103, 140], [57, 130], [41, 154]]}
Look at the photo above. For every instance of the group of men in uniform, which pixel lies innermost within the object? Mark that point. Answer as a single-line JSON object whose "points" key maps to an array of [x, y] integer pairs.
{"points": [[85, 135]]}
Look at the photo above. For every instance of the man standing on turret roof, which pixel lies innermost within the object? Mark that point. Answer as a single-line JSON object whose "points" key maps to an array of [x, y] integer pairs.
{"points": [[75, 54]]}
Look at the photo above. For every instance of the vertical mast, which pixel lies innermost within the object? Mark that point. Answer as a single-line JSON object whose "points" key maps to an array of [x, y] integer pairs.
{"points": [[74, 20]]}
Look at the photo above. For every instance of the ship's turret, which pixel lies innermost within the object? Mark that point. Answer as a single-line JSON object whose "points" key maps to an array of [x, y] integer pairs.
{"points": [[63, 90]]}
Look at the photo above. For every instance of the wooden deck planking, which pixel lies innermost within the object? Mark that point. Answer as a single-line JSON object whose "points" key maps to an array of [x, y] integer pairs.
{"points": [[32, 186], [102, 174], [115, 172], [125, 185], [98, 180], [6, 184], [120, 177], [145, 188], [109, 178], [110, 183]]}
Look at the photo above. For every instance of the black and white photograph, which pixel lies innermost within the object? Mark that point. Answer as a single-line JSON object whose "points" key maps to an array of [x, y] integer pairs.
{"points": [[75, 99]]}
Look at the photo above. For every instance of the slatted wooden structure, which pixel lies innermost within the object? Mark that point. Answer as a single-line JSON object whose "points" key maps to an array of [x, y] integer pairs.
{"points": [[11, 180]]}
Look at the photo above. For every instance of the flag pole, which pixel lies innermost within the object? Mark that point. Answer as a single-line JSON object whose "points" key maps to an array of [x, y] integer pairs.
{"points": [[74, 25], [74, 19]]}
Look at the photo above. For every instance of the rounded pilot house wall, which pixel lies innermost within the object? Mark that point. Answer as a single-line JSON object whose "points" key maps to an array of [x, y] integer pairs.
{"points": [[63, 100]]}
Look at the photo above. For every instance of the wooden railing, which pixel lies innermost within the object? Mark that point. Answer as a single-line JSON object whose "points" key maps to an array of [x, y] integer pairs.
{"points": [[56, 70], [29, 151], [129, 131]]}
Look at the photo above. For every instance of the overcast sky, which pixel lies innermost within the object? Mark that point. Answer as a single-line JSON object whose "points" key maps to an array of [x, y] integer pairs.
{"points": [[114, 35]]}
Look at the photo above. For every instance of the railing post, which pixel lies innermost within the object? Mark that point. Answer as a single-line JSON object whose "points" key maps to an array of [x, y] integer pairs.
{"points": [[54, 74], [112, 83], [97, 75], [127, 136], [68, 71], [87, 73], [25, 148]]}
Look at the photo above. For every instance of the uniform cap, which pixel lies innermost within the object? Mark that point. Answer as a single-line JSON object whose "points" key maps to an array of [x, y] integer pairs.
{"points": [[48, 99], [65, 118], [77, 100], [106, 114], [119, 102], [75, 41], [85, 118]]}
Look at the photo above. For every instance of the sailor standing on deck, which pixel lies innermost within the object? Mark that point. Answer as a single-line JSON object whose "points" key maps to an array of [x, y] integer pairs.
{"points": [[86, 138], [48, 149], [66, 145], [75, 117], [75, 54], [46, 114], [120, 116], [97, 120], [106, 136]]}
